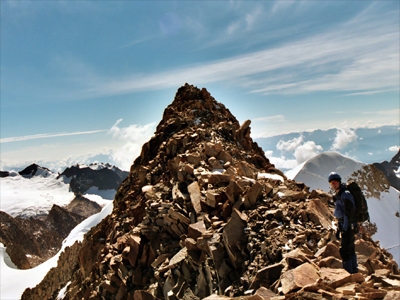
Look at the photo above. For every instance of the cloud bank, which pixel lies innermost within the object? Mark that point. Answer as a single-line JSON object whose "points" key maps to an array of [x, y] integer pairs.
{"points": [[344, 137], [133, 136], [297, 147]]}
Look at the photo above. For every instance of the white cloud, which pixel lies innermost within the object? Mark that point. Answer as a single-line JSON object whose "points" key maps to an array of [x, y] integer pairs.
{"points": [[281, 162], [290, 145], [278, 118], [394, 148], [45, 135], [359, 56], [344, 136], [306, 151], [301, 150], [133, 137]]}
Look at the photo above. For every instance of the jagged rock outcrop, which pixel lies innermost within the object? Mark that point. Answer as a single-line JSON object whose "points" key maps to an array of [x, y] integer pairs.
{"points": [[31, 241], [83, 206], [33, 170], [85, 177], [66, 266], [389, 168], [4, 174], [204, 214]]}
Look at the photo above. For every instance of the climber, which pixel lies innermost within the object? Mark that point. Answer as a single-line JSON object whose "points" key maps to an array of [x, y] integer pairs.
{"points": [[345, 212]]}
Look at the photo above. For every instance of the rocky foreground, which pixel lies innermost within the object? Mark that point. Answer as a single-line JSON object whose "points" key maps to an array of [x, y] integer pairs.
{"points": [[204, 214]]}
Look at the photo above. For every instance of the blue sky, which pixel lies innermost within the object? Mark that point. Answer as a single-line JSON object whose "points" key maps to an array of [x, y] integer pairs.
{"points": [[83, 79]]}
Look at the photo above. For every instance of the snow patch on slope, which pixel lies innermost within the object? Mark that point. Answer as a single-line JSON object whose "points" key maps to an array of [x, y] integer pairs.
{"points": [[28, 197]]}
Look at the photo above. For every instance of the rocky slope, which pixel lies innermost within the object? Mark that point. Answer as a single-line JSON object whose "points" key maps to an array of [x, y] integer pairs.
{"points": [[31, 241], [203, 213]]}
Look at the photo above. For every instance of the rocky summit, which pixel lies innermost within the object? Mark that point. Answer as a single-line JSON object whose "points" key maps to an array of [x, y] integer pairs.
{"points": [[203, 214]]}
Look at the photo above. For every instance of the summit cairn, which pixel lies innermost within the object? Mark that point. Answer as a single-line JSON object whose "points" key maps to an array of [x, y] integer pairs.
{"points": [[203, 214]]}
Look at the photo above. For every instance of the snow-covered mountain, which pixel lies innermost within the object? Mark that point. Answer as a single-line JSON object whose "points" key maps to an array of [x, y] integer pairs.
{"points": [[383, 200], [33, 191]]}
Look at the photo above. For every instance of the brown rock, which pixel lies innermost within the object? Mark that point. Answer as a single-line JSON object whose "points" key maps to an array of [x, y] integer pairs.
{"points": [[224, 270], [191, 244], [212, 149], [265, 294], [253, 194], [194, 159], [330, 262], [299, 277], [160, 259], [107, 285], [225, 157], [310, 295], [195, 196], [234, 236], [134, 242], [329, 250], [214, 163], [293, 195], [196, 230], [217, 297], [178, 216], [245, 169], [177, 258], [189, 169], [319, 214], [214, 197], [267, 275], [392, 295], [219, 178], [233, 191], [339, 277], [143, 295], [365, 251]]}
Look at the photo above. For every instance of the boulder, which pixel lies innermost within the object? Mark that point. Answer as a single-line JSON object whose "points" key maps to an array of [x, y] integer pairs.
{"points": [[329, 250], [338, 277], [212, 149], [318, 213], [299, 277], [253, 194], [196, 230], [195, 196]]}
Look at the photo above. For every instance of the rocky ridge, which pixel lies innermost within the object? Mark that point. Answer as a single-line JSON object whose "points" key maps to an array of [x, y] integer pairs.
{"points": [[204, 214], [102, 176], [389, 170], [32, 241]]}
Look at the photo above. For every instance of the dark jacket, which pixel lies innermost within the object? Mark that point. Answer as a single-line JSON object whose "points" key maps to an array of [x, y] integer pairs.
{"points": [[345, 208]]}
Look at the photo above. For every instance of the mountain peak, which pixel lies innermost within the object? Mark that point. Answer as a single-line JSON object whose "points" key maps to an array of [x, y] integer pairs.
{"points": [[203, 212]]}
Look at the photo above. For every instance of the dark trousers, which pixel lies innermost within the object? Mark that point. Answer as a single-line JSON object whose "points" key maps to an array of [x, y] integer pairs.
{"points": [[347, 251]]}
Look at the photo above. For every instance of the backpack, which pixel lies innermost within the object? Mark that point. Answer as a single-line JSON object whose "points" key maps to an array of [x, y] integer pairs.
{"points": [[361, 213]]}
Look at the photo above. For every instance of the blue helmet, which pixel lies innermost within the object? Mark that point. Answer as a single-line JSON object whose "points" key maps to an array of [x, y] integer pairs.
{"points": [[334, 176]]}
